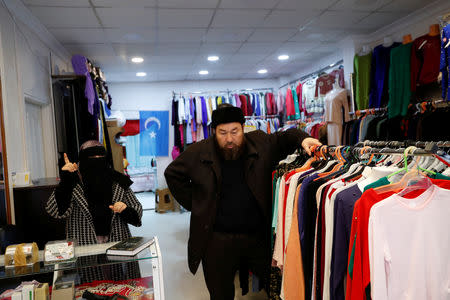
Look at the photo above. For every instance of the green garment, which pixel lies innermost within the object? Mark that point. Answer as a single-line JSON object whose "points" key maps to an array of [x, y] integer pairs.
{"points": [[275, 204], [400, 80], [380, 182], [379, 126], [352, 259], [439, 176], [362, 66], [296, 107]]}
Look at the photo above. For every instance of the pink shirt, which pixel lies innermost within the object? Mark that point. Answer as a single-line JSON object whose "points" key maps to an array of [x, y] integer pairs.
{"points": [[409, 246]]}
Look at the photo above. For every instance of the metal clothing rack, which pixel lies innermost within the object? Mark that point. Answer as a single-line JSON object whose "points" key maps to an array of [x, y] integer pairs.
{"points": [[227, 92], [262, 117], [364, 111], [312, 74], [395, 147]]}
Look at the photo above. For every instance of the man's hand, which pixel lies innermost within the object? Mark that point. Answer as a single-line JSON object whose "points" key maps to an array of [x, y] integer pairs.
{"points": [[118, 207], [68, 165], [308, 143]]}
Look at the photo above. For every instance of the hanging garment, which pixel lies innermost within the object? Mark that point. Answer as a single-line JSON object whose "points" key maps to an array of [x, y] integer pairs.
{"points": [[400, 240], [238, 101], [290, 106], [339, 77], [205, 118], [379, 77], [324, 84], [399, 81], [445, 62], [243, 100], [296, 105], [362, 67], [336, 104], [425, 60]]}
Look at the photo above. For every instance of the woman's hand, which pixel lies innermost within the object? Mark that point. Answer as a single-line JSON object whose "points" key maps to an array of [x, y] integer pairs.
{"points": [[118, 207], [308, 143], [70, 167]]}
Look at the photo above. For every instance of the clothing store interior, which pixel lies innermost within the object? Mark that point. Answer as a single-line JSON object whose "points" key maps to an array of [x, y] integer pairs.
{"points": [[101, 93]]}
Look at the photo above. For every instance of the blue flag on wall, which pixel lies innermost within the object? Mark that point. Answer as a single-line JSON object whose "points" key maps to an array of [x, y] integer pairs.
{"points": [[154, 132]]}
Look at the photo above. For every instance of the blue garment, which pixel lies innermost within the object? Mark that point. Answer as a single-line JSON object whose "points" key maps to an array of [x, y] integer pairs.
{"points": [[343, 214], [258, 106], [445, 62], [379, 78], [204, 117], [192, 105], [301, 207]]}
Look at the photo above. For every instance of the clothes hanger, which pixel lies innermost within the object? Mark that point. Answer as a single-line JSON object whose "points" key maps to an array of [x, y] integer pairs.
{"points": [[410, 174], [337, 154]]}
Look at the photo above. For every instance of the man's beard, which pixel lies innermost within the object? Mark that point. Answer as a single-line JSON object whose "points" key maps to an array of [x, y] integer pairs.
{"points": [[231, 153]]}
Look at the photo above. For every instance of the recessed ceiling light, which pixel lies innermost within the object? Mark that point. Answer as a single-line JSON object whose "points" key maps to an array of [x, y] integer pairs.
{"points": [[203, 72], [141, 74], [213, 58], [262, 71], [332, 65], [137, 60], [283, 57]]}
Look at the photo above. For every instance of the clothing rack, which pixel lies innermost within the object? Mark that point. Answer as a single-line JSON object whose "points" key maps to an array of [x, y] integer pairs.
{"points": [[227, 92], [313, 73], [262, 117], [364, 111], [395, 147]]}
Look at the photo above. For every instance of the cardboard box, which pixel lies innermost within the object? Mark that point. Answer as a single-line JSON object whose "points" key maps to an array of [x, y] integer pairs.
{"points": [[63, 291], [41, 292]]}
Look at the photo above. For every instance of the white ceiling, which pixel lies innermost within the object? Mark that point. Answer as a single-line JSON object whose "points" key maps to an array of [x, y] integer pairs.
{"points": [[176, 36]]}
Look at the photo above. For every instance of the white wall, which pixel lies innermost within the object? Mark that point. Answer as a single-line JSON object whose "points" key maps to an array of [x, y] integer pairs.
{"points": [[132, 97], [25, 69]]}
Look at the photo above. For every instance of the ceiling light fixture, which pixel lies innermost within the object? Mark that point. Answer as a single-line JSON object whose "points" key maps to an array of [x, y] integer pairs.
{"points": [[332, 65], [262, 71], [137, 60], [141, 74], [203, 72], [283, 57], [213, 58]]}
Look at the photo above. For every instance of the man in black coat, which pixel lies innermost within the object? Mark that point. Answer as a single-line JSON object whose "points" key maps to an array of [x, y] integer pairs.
{"points": [[226, 181]]}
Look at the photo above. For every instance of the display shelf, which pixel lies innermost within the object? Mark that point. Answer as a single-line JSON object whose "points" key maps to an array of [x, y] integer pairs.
{"points": [[92, 256]]}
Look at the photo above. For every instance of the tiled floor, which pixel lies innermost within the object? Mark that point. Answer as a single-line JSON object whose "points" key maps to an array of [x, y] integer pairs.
{"points": [[172, 230], [147, 199]]}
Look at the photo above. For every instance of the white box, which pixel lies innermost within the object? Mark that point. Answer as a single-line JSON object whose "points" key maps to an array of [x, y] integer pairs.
{"points": [[28, 292], [16, 296]]}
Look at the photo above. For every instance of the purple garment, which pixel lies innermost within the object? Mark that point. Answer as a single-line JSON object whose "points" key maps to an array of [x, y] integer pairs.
{"points": [[238, 100], [301, 207], [381, 58], [79, 64], [343, 214], [204, 118], [192, 110]]}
